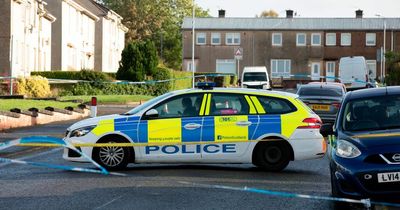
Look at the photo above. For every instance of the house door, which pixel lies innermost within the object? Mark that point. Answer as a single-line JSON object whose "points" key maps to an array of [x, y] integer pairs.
{"points": [[330, 71], [315, 71]]}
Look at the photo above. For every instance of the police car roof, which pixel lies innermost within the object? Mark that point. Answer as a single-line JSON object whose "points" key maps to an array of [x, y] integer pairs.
{"points": [[238, 90]]}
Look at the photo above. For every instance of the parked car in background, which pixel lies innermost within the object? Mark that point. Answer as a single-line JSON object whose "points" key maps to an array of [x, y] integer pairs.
{"points": [[256, 77], [365, 151], [354, 72], [324, 98]]}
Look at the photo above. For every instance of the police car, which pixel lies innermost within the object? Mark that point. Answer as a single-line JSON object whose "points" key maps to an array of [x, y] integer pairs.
{"points": [[206, 125]]}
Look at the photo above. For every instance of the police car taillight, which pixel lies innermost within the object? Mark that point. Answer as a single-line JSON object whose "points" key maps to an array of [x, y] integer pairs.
{"points": [[313, 123]]}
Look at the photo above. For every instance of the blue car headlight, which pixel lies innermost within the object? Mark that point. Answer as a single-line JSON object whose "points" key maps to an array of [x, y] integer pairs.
{"points": [[346, 149], [82, 131]]}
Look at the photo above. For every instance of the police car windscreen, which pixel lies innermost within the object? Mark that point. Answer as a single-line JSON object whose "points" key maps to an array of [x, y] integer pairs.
{"points": [[320, 91], [254, 77]]}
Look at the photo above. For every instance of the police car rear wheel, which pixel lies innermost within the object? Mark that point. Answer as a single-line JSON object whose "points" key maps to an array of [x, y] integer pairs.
{"points": [[112, 157], [273, 156]]}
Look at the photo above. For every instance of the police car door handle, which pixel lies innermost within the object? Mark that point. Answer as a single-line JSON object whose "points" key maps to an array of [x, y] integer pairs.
{"points": [[192, 126], [243, 123]]}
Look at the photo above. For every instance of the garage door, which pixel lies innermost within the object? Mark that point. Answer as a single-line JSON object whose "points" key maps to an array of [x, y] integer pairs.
{"points": [[226, 66]]}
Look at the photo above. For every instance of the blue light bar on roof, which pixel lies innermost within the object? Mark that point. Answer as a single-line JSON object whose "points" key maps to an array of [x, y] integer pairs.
{"points": [[205, 85]]}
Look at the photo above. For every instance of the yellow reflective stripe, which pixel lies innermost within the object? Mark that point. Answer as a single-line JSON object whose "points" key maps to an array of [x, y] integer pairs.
{"points": [[203, 105], [104, 126], [208, 105], [252, 109], [164, 131], [259, 107]]}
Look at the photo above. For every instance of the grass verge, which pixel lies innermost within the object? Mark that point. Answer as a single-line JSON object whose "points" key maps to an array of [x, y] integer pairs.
{"points": [[24, 104], [110, 99]]}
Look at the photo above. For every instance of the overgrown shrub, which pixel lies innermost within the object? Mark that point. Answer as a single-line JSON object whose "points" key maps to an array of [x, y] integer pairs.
{"points": [[393, 74], [75, 75], [34, 86]]}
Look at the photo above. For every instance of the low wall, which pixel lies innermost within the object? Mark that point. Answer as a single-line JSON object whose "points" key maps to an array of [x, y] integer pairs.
{"points": [[11, 120]]}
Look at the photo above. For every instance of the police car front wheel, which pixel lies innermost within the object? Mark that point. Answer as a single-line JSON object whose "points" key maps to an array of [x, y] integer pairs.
{"points": [[112, 157], [273, 156]]}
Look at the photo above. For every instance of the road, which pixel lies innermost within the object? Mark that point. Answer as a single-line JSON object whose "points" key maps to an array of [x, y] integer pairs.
{"points": [[154, 186]]}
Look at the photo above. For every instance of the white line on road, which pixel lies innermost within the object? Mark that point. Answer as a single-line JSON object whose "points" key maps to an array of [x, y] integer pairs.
{"points": [[108, 203]]}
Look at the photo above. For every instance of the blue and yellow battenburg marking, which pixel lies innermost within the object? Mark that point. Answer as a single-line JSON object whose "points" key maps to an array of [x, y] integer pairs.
{"points": [[217, 129]]}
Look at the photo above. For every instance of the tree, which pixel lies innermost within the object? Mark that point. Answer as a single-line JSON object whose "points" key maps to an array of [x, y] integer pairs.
{"points": [[393, 63], [131, 64], [150, 59], [269, 13], [159, 21]]}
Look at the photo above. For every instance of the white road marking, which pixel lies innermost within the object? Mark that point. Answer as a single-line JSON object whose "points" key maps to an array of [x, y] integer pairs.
{"points": [[108, 203]]}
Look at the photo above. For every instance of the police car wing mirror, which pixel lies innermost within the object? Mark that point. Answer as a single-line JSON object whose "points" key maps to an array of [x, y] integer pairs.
{"points": [[326, 130], [152, 113]]}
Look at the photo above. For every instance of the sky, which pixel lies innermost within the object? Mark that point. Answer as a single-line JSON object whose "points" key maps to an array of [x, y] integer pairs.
{"points": [[303, 8]]}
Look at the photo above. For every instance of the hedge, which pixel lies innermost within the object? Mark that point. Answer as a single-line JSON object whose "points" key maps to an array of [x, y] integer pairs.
{"points": [[75, 75], [220, 79]]}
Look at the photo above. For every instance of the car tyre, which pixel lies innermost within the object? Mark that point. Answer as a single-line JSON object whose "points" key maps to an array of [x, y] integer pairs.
{"points": [[112, 158], [273, 156]]}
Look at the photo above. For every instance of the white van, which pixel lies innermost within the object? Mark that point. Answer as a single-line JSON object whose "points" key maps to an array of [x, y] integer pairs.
{"points": [[255, 77], [353, 72]]}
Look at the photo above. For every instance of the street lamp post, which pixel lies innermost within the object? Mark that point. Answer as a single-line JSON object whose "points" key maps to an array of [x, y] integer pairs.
{"points": [[193, 37], [383, 58]]}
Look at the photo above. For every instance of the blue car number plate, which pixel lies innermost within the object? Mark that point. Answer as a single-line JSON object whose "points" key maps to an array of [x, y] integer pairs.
{"points": [[389, 177]]}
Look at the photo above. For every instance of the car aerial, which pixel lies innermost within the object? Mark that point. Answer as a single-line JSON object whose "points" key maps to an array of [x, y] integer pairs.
{"points": [[323, 98], [365, 151], [206, 125]]}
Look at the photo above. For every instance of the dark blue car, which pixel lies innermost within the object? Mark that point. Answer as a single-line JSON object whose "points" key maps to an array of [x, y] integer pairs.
{"points": [[365, 154]]}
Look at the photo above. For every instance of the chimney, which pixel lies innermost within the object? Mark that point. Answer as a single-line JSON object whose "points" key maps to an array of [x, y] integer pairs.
{"points": [[359, 13], [221, 13], [289, 13]]}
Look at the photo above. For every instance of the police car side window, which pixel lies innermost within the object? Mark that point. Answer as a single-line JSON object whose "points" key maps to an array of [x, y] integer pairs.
{"points": [[276, 105], [187, 105], [228, 104]]}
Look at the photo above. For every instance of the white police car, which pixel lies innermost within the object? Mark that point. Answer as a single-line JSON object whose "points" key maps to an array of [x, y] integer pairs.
{"points": [[266, 128]]}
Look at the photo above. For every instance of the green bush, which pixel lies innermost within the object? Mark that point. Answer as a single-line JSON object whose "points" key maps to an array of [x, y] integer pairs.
{"points": [[220, 79], [181, 80], [74, 75], [393, 74], [35, 86]]}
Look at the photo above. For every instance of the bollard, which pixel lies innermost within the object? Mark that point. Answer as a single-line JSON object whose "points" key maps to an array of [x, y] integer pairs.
{"points": [[93, 107]]}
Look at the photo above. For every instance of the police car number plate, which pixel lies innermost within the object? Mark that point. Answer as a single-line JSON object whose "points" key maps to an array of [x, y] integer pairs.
{"points": [[389, 177], [320, 107]]}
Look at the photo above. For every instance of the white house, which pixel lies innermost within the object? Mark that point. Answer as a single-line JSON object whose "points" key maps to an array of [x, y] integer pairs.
{"points": [[109, 36], [73, 35], [25, 38]]}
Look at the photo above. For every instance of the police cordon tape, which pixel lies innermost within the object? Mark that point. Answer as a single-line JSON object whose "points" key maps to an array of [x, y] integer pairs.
{"points": [[46, 140], [153, 82], [366, 202]]}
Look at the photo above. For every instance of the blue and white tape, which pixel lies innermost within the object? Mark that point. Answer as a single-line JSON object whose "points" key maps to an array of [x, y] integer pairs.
{"points": [[52, 140], [366, 202]]}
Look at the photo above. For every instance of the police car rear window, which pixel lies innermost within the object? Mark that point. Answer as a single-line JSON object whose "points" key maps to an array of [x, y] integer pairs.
{"points": [[274, 105]]}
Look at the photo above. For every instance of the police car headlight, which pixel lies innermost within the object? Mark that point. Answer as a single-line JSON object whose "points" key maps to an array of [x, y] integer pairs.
{"points": [[346, 149], [82, 131]]}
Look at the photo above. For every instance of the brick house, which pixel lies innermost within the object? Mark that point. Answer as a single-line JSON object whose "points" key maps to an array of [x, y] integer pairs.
{"points": [[293, 49]]}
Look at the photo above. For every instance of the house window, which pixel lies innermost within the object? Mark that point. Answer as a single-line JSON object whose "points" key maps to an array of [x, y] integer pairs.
{"points": [[232, 39], [280, 68], [215, 38], [330, 39], [370, 39], [301, 39], [277, 39], [316, 39], [345, 39], [201, 38]]}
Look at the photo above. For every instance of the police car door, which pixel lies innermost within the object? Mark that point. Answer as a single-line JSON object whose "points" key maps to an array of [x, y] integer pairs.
{"points": [[227, 127], [173, 124]]}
